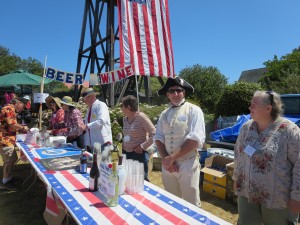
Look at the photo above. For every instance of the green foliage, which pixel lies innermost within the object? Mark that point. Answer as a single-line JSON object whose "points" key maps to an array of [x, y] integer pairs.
{"points": [[280, 71], [288, 85], [208, 84], [236, 99], [10, 62], [116, 116]]}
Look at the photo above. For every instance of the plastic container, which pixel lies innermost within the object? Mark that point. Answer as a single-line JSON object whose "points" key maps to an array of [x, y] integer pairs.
{"points": [[122, 179]]}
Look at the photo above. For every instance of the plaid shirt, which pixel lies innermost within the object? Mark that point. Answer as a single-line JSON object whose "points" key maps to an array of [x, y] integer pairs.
{"points": [[7, 118], [72, 120]]}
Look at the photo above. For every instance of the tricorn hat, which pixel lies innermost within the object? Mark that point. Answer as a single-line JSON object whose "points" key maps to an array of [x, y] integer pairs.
{"points": [[67, 100], [88, 91], [50, 98], [175, 82]]}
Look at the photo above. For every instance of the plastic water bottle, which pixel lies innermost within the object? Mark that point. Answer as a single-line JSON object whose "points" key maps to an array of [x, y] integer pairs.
{"points": [[83, 162], [122, 179]]}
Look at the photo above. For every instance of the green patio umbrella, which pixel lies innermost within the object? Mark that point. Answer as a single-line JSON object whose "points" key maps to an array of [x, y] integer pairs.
{"points": [[21, 77]]}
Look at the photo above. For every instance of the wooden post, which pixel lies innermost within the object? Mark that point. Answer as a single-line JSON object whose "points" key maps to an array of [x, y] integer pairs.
{"points": [[42, 91]]}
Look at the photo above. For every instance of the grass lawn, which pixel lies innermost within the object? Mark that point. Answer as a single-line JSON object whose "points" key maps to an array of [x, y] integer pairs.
{"points": [[26, 208]]}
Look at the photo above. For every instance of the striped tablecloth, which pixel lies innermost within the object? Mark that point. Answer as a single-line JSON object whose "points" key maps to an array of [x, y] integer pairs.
{"points": [[152, 206]]}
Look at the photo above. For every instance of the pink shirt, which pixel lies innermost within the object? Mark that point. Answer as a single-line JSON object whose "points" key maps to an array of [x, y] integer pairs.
{"points": [[139, 132]]}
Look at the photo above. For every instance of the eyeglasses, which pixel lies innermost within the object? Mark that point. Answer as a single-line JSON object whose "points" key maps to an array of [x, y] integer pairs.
{"points": [[177, 90], [271, 94]]}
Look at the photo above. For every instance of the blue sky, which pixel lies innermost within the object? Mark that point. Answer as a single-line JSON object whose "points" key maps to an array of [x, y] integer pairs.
{"points": [[232, 35]]}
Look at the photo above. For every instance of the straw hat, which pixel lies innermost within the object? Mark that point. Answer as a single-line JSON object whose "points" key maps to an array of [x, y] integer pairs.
{"points": [[176, 82], [88, 91], [50, 98], [67, 100]]}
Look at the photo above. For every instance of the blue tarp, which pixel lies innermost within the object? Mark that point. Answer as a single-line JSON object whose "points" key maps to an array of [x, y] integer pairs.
{"points": [[230, 134]]}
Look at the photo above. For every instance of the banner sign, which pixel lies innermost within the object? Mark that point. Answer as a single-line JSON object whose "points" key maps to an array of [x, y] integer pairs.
{"points": [[111, 76], [65, 77]]}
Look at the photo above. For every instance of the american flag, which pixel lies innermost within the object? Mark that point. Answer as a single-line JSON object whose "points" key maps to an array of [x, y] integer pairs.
{"points": [[145, 37]]}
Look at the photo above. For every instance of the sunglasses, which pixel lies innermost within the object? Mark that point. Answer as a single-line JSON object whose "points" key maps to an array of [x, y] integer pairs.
{"points": [[177, 90], [271, 94]]}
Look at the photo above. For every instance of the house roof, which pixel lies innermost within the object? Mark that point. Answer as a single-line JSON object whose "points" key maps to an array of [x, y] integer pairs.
{"points": [[252, 75]]}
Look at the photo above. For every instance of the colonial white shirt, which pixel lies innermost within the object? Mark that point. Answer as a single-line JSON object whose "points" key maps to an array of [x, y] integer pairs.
{"points": [[194, 121], [99, 128]]}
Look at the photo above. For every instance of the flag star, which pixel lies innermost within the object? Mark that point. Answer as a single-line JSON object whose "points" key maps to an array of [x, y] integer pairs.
{"points": [[147, 189], [64, 193], [202, 218], [58, 186], [137, 214], [158, 195], [151, 223], [171, 202], [50, 178], [84, 218], [126, 205], [54, 182], [185, 210], [76, 208], [70, 200]]}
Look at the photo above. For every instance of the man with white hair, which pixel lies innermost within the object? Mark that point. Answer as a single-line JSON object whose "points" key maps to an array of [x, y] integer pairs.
{"points": [[97, 120]]}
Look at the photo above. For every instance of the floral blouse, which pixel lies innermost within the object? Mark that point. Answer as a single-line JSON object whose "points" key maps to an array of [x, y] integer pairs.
{"points": [[7, 134], [267, 165]]}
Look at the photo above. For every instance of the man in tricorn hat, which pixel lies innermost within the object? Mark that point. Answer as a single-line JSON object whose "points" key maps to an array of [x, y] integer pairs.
{"points": [[97, 121], [180, 132]]}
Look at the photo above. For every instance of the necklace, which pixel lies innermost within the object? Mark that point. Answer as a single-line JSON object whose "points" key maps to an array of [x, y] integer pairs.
{"points": [[130, 121]]}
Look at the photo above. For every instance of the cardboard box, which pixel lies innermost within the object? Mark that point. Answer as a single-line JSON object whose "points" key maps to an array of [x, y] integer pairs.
{"points": [[229, 174], [214, 175], [215, 190], [230, 169]]}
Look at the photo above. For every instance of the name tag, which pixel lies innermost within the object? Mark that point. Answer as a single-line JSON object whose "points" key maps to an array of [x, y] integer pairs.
{"points": [[249, 150], [126, 138]]}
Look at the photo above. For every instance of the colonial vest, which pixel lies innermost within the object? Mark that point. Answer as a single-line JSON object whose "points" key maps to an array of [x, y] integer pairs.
{"points": [[175, 128]]}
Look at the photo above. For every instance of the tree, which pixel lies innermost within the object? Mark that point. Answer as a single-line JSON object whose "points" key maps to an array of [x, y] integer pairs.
{"points": [[280, 71], [208, 84], [236, 99], [8, 62]]}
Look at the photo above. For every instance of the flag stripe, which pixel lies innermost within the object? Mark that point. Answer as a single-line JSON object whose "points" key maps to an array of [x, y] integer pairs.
{"points": [[147, 25], [169, 38], [156, 39], [146, 38], [136, 26], [167, 215]]}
